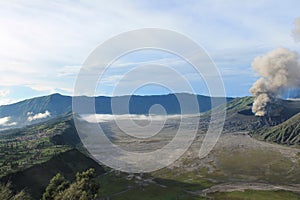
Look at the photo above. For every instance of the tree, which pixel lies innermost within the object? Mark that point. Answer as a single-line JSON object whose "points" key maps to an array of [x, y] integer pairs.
{"points": [[57, 184], [21, 196], [84, 188], [7, 194]]}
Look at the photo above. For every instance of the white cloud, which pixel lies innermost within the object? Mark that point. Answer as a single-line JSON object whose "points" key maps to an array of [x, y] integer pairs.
{"points": [[42, 88], [5, 122], [7, 101], [12, 124], [3, 97], [38, 116], [4, 93], [38, 38], [69, 71], [107, 117], [46, 36]]}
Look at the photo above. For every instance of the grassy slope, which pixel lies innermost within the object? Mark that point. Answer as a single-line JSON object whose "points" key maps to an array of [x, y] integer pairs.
{"points": [[255, 195], [286, 133], [240, 104], [30, 157], [118, 186], [23, 148]]}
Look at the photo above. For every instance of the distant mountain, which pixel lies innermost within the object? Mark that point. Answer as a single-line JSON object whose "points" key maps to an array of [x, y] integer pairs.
{"points": [[41, 109], [287, 132], [35, 110]]}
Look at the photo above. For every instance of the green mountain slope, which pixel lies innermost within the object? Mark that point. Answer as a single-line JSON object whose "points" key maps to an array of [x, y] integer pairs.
{"points": [[283, 128], [286, 133], [20, 112], [240, 117], [35, 144], [240, 104]]}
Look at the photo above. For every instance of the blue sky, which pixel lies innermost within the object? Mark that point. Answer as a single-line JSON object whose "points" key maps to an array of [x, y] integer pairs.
{"points": [[44, 43]]}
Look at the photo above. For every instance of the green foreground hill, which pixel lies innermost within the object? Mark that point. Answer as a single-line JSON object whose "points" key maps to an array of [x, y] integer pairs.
{"points": [[36, 178]]}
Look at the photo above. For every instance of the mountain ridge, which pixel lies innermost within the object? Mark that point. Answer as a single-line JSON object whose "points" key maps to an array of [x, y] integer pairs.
{"points": [[40, 109]]}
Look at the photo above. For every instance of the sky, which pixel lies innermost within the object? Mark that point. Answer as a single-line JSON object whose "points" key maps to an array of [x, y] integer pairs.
{"points": [[43, 44]]}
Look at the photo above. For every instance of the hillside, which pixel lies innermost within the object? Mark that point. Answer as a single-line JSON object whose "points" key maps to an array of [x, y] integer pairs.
{"points": [[35, 144], [286, 133], [283, 128], [36, 178], [32, 155], [240, 117], [19, 113], [42, 109]]}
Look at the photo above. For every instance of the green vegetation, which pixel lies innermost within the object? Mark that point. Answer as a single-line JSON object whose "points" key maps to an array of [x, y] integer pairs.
{"points": [[22, 149], [57, 184], [239, 104], [30, 157], [257, 164], [7, 194], [36, 178], [115, 186], [284, 133], [84, 188], [194, 179], [19, 155], [255, 195]]}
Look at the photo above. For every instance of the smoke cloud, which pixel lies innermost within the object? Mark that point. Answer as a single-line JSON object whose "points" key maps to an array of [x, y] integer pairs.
{"points": [[279, 71], [296, 30]]}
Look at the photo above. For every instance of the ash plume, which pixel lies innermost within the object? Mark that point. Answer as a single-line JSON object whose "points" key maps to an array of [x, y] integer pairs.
{"points": [[280, 71], [296, 30]]}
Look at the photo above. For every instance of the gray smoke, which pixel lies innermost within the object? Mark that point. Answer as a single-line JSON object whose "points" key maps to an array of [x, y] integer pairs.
{"points": [[280, 71], [296, 30]]}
